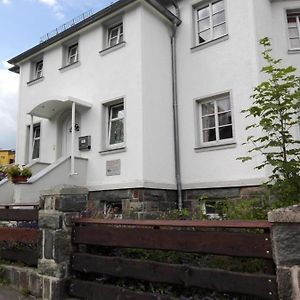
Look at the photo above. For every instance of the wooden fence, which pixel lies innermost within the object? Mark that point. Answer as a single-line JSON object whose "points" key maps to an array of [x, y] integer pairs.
{"points": [[19, 233], [250, 239]]}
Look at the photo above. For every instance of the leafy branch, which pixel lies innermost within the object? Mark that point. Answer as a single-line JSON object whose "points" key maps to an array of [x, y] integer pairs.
{"points": [[275, 110]]}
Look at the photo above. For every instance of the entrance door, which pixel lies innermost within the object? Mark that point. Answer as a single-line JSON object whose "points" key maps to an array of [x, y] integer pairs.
{"points": [[67, 136]]}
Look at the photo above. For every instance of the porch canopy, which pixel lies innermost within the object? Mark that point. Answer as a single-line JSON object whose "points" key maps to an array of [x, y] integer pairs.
{"points": [[51, 108]]}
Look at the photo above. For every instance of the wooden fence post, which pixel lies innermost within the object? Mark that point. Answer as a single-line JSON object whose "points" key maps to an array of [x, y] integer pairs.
{"points": [[57, 208], [286, 250]]}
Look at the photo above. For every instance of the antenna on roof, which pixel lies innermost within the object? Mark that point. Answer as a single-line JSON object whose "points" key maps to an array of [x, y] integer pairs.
{"points": [[66, 26]]}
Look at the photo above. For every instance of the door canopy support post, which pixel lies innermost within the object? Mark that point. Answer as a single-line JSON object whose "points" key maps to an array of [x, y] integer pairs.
{"points": [[30, 150], [73, 140]]}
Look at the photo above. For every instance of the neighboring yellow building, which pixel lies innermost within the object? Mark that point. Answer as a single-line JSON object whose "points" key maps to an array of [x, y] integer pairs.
{"points": [[7, 157]]}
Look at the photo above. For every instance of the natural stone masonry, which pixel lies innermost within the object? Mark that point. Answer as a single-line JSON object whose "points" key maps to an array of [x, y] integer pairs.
{"points": [[57, 208], [147, 203], [286, 249], [22, 278], [139, 203]]}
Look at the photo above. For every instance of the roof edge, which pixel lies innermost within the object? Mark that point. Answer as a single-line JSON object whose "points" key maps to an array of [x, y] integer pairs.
{"points": [[90, 20]]}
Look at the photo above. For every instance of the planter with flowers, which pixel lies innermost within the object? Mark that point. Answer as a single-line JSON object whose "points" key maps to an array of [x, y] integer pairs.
{"points": [[18, 174]]}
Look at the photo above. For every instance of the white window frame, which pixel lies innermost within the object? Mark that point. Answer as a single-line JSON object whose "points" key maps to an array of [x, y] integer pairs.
{"points": [[296, 13], [35, 139], [38, 71], [199, 125], [109, 120], [72, 58], [120, 34], [209, 5], [210, 215]]}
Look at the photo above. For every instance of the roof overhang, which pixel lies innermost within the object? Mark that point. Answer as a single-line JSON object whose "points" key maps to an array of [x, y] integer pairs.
{"points": [[51, 108], [88, 21]]}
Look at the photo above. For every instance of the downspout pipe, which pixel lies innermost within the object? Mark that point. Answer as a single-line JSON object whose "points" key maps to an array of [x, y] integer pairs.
{"points": [[175, 109]]}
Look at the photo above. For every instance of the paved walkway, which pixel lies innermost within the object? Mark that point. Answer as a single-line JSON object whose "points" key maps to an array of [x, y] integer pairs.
{"points": [[7, 293]]}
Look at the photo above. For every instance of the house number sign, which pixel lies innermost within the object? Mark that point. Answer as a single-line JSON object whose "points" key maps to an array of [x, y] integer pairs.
{"points": [[113, 167]]}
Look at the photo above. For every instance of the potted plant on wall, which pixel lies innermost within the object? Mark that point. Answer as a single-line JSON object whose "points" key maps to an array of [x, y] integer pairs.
{"points": [[18, 174]]}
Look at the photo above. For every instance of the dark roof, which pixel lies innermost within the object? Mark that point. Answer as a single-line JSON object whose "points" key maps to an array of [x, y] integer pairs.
{"points": [[8, 150], [90, 20]]}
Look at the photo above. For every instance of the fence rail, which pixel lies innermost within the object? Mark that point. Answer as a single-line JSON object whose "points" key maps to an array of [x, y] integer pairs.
{"points": [[9, 213], [229, 238], [156, 224], [214, 242], [19, 244]]}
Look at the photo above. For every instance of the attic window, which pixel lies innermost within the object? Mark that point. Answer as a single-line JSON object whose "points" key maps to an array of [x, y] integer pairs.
{"points": [[38, 69], [115, 35], [72, 54]]}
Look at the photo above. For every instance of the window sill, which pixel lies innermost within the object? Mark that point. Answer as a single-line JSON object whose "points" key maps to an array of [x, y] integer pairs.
{"points": [[70, 66], [215, 147], [34, 81], [112, 48], [293, 51], [113, 151], [210, 43]]}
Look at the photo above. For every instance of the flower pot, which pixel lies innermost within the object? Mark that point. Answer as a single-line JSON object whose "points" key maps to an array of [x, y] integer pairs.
{"points": [[19, 179]]}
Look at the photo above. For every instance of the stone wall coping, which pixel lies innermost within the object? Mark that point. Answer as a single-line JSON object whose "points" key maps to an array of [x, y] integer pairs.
{"points": [[20, 269], [65, 190], [289, 214]]}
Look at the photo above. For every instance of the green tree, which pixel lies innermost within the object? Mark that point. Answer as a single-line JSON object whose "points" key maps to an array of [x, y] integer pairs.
{"points": [[275, 108]]}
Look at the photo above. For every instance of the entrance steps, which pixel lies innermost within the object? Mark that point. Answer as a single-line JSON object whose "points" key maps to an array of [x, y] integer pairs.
{"points": [[44, 177]]}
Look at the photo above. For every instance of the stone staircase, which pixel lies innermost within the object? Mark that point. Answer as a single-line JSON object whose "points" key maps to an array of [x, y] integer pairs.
{"points": [[44, 177]]}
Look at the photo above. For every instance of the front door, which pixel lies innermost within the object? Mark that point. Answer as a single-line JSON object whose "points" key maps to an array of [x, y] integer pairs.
{"points": [[67, 136]]}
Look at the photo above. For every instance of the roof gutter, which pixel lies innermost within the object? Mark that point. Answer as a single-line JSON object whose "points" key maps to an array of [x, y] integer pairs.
{"points": [[175, 108]]}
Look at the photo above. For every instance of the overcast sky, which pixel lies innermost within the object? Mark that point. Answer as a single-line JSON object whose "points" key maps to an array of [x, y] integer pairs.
{"points": [[22, 23]]}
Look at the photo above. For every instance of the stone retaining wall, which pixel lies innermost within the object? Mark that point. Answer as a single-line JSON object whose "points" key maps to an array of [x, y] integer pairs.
{"points": [[286, 249]]}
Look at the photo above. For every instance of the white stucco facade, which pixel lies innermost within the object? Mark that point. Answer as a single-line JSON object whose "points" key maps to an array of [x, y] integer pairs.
{"points": [[139, 71]]}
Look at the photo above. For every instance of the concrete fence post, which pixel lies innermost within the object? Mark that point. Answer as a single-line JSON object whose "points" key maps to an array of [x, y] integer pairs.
{"points": [[286, 249], [57, 208]]}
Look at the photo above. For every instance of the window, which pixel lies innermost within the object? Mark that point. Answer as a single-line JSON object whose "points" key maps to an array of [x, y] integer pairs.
{"points": [[116, 117], [212, 209], [72, 54], [36, 141], [215, 120], [38, 73], [293, 20], [36, 70], [115, 35], [210, 21]]}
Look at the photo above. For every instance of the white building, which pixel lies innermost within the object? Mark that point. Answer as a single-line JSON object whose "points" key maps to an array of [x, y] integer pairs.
{"points": [[110, 79]]}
